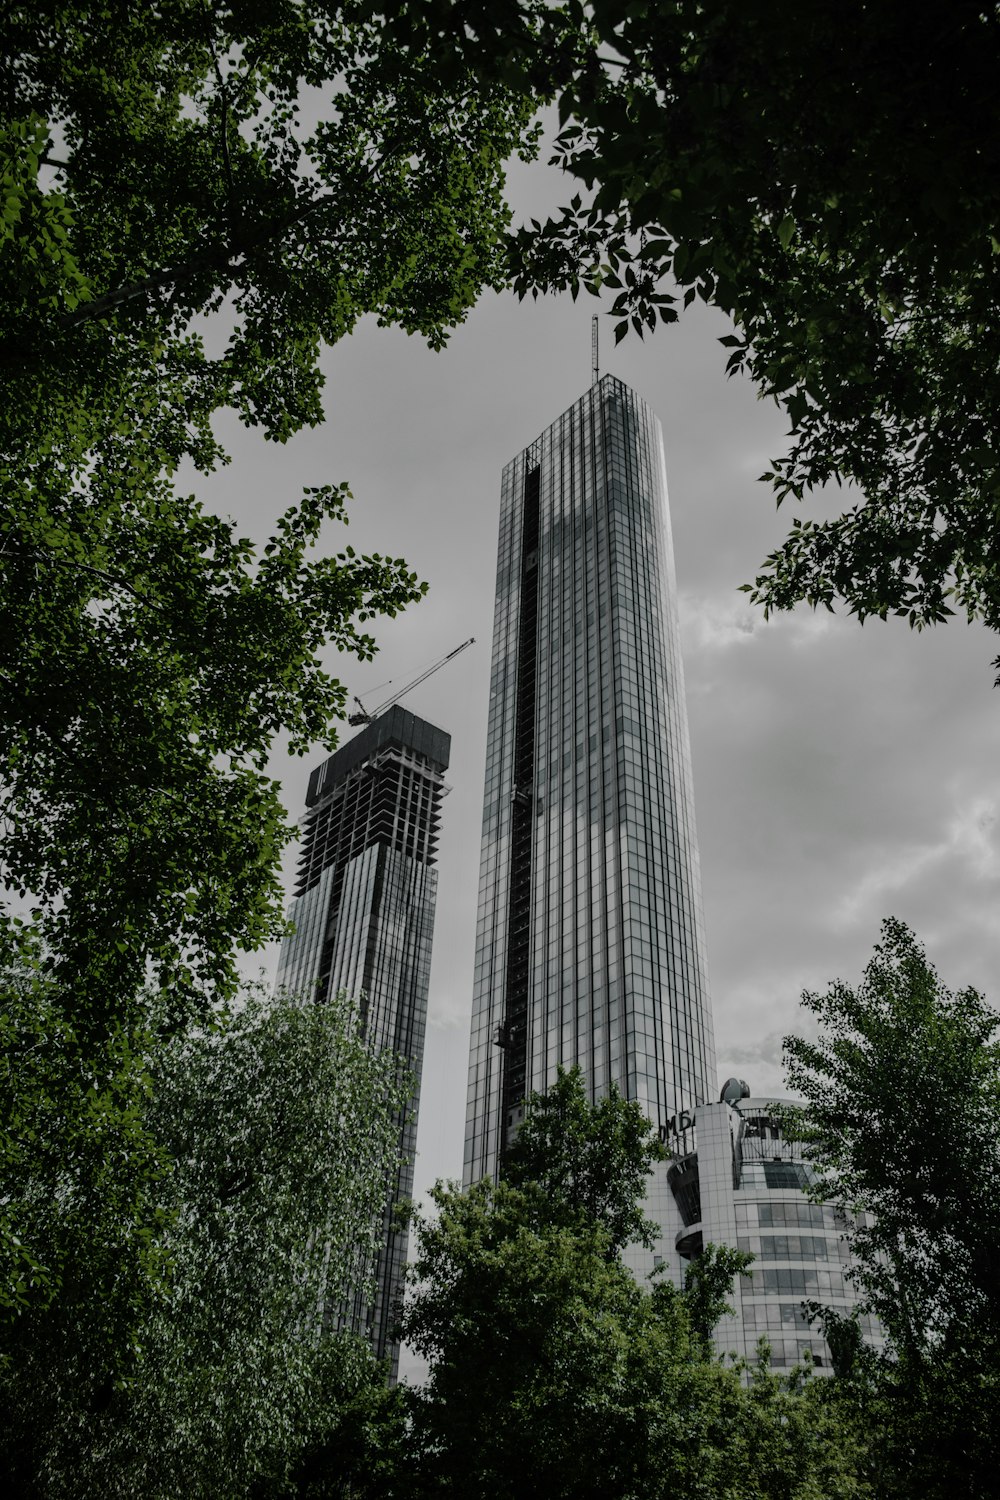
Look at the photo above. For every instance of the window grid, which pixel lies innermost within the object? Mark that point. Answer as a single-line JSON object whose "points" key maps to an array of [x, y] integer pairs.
{"points": [[616, 971]]}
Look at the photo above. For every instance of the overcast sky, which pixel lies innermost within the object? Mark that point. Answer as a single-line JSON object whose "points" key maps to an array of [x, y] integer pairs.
{"points": [[841, 774]]}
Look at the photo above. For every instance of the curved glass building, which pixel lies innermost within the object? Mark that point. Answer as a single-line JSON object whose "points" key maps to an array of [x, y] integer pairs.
{"points": [[744, 1185], [589, 944]]}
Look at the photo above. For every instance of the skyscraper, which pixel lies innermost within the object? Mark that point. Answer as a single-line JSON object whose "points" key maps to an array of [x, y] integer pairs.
{"points": [[589, 944], [364, 920]]}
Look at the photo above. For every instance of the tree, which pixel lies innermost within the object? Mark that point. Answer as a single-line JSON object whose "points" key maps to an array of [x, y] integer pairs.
{"points": [[137, 811], [278, 1128], [79, 1168], [526, 1328], [362, 1453], [587, 1164], [901, 1094], [309, 165], [158, 171], [554, 1373], [901, 1116], [195, 201], [708, 1286], [822, 174]]}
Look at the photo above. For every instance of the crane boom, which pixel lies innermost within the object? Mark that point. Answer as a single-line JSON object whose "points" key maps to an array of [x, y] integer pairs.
{"points": [[364, 717]]}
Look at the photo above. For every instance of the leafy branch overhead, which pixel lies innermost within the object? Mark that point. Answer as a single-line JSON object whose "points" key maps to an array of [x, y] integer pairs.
{"points": [[285, 174], [196, 199], [824, 175]]}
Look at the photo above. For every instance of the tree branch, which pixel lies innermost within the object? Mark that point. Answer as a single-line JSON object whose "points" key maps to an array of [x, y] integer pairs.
{"points": [[169, 276], [69, 562], [222, 257], [224, 133]]}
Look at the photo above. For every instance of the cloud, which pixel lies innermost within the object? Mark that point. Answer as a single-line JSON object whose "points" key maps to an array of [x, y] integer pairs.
{"points": [[712, 624], [715, 622], [449, 1012], [968, 846]]}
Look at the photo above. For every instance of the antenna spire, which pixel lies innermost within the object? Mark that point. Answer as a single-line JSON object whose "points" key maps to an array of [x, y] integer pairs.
{"points": [[594, 362]]}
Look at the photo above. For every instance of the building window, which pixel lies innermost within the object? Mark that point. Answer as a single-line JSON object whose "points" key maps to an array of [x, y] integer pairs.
{"points": [[786, 1174]]}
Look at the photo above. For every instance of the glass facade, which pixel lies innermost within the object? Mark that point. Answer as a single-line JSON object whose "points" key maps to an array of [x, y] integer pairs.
{"points": [[364, 919], [743, 1187], [589, 944]]}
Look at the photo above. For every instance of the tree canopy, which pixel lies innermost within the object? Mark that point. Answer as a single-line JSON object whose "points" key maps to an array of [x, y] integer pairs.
{"points": [[902, 1117], [587, 1163], [554, 1373], [827, 176], [80, 1172], [278, 1129], [195, 201], [901, 1098]]}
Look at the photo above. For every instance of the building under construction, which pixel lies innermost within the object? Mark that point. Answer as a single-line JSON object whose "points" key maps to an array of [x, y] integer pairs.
{"points": [[364, 917]]}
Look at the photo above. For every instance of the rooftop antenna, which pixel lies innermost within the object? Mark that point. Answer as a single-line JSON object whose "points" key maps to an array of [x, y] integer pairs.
{"points": [[595, 366]]}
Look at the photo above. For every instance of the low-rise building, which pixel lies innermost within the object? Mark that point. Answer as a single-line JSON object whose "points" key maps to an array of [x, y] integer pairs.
{"points": [[741, 1182]]}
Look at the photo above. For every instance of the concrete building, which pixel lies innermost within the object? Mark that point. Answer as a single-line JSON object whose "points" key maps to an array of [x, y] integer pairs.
{"points": [[364, 920]]}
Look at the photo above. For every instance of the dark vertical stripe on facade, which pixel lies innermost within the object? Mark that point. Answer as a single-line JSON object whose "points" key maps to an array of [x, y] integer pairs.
{"points": [[514, 1036]]}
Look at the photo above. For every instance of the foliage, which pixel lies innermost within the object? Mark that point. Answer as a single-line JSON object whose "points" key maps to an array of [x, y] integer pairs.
{"points": [[278, 1122], [138, 716], [525, 1330], [137, 811], [902, 1091], [78, 1164], [587, 1164], [195, 200], [554, 1373], [361, 1452], [902, 1115], [708, 1286], [289, 171], [160, 168], [824, 175]]}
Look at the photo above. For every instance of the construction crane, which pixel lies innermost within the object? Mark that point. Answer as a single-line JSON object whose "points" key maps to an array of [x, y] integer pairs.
{"points": [[364, 717]]}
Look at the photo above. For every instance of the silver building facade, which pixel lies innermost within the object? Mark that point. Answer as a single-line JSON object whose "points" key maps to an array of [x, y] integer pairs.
{"points": [[364, 919], [743, 1184], [589, 944]]}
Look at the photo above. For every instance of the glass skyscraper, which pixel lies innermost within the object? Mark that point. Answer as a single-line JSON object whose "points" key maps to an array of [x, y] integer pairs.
{"points": [[364, 920], [589, 945]]}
